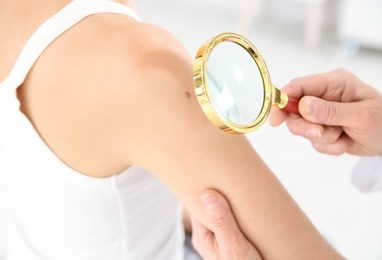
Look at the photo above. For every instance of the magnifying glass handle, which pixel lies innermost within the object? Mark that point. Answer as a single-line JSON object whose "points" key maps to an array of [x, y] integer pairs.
{"points": [[292, 106]]}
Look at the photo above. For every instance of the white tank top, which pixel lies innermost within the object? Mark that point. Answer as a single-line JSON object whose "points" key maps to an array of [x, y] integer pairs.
{"points": [[54, 212]]}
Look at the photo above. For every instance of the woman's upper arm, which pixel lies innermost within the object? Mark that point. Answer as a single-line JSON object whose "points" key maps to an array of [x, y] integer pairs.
{"points": [[162, 128]]}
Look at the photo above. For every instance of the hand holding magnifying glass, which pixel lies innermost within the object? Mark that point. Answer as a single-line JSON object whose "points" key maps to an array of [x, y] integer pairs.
{"points": [[233, 85]]}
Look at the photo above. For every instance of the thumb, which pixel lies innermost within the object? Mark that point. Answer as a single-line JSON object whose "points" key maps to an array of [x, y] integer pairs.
{"points": [[221, 219], [320, 111]]}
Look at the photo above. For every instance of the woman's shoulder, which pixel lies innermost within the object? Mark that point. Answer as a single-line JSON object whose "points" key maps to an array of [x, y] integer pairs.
{"points": [[118, 48], [114, 54], [143, 41], [102, 77]]}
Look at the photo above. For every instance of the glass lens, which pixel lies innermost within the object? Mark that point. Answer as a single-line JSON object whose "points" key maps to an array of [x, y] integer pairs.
{"points": [[235, 83]]}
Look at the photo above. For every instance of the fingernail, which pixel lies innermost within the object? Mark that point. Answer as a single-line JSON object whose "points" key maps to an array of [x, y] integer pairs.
{"points": [[209, 200], [313, 133], [311, 107]]}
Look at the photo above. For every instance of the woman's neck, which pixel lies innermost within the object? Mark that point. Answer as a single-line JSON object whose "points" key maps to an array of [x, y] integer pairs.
{"points": [[22, 18]]}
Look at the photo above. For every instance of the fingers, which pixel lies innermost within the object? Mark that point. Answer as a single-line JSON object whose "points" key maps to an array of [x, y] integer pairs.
{"points": [[277, 116], [320, 112], [224, 236], [339, 113], [322, 122], [314, 132], [202, 238], [223, 223], [317, 110], [339, 147], [329, 85], [220, 218], [325, 139]]}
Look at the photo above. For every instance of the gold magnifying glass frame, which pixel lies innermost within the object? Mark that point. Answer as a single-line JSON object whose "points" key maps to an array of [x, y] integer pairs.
{"points": [[272, 95]]}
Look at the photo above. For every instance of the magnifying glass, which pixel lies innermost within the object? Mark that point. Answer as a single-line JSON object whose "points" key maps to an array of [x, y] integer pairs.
{"points": [[233, 85]]}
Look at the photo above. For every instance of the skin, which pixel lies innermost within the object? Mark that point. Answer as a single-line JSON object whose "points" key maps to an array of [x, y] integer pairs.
{"points": [[339, 114], [224, 240], [141, 109]]}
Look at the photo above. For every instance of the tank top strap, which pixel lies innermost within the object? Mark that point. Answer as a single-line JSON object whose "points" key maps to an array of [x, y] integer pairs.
{"points": [[60, 22]]}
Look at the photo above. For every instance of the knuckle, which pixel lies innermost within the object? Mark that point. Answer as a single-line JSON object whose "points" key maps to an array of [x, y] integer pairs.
{"points": [[294, 81], [364, 116], [292, 85], [219, 221], [293, 128], [331, 134], [330, 112], [367, 114], [342, 73]]}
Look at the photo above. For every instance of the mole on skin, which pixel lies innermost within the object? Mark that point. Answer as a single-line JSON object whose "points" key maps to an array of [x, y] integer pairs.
{"points": [[187, 94]]}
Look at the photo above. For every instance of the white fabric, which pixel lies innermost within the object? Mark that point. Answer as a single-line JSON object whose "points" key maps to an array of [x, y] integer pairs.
{"points": [[367, 174], [54, 212]]}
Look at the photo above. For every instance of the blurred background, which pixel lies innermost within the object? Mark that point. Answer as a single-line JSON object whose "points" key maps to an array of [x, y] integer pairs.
{"points": [[296, 38]]}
